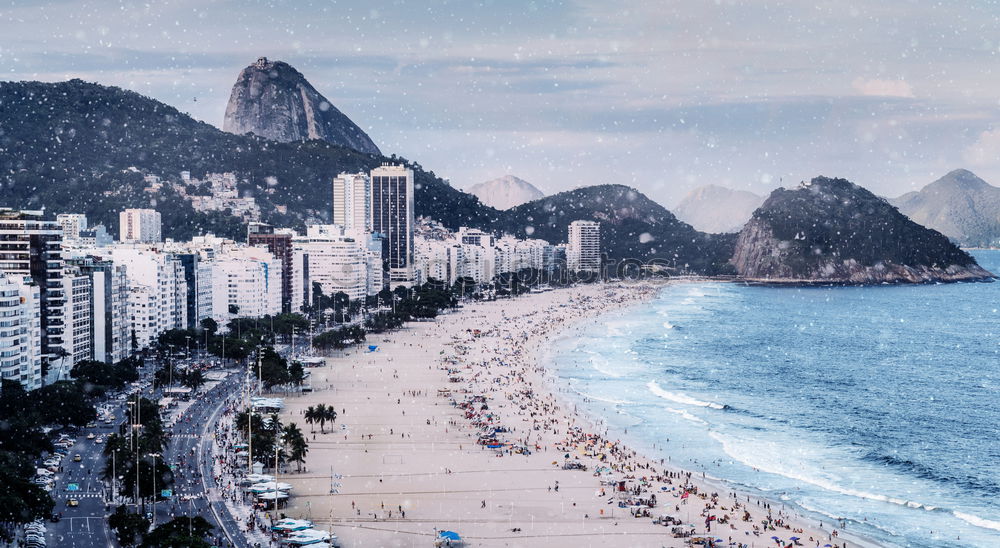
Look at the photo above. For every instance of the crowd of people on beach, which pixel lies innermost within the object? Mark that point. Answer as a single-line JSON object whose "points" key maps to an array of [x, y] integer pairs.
{"points": [[499, 372]]}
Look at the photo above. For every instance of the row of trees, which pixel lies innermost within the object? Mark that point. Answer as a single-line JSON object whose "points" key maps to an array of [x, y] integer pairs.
{"points": [[320, 414]]}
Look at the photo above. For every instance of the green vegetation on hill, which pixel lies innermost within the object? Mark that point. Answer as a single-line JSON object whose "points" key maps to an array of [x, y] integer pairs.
{"points": [[834, 217], [69, 147]]}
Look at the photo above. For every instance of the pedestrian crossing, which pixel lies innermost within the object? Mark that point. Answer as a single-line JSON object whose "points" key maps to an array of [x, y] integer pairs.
{"points": [[76, 495]]}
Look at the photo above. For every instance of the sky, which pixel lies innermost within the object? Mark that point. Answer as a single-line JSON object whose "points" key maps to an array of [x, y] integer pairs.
{"points": [[663, 96]]}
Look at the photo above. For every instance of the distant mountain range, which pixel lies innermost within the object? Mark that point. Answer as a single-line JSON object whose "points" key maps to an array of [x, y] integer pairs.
{"points": [[959, 205], [85, 148], [273, 100], [82, 147], [833, 231], [505, 192], [716, 209]]}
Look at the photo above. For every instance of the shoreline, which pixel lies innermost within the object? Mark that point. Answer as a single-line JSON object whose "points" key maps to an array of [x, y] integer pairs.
{"points": [[430, 468], [647, 449]]}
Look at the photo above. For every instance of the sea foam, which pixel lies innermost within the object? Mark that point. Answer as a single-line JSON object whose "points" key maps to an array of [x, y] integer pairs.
{"points": [[681, 398]]}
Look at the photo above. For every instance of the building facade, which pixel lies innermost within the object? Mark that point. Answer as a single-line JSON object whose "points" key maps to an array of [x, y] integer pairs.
{"points": [[20, 331], [327, 256], [583, 252], [141, 226], [352, 195], [279, 244], [109, 308], [392, 219], [32, 247]]}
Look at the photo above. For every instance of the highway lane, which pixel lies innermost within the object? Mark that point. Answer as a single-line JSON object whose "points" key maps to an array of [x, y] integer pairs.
{"points": [[190, 453], [83, 525]]}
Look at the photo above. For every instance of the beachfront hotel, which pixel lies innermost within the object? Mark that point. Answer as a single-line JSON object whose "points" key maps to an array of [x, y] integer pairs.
{"points": [[583, 254]]}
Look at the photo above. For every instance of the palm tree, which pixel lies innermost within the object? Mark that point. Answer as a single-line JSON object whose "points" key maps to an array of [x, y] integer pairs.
{"points": [[330, 413], [321, 417], [311, 417], [296, 445]]}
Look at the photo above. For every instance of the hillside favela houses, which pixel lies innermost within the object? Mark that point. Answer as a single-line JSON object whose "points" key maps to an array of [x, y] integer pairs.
{"points": [[79, 295]]}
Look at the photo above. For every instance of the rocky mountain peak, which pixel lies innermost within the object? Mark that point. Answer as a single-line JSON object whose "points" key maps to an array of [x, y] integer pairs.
{"points": [[275, 101]]}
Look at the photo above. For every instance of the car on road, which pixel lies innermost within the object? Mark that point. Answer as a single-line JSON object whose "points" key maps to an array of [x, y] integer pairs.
{"points": [[77, 458], [99, 439], [72, 503], [91, 436], [91, 425]]}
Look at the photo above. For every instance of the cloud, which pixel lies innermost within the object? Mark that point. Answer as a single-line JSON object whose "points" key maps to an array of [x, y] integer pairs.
{"points": [[985, 151], [883, 88]]}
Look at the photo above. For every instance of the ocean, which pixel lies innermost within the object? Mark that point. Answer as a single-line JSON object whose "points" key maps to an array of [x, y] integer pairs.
{"points": [[878, 407]]}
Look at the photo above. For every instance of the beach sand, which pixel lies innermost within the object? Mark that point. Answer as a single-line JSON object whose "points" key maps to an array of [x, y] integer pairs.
{"points": [[400, 446]]}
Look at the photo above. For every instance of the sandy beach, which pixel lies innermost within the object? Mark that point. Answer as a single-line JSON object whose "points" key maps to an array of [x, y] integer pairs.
{"points": [[410, 452]]}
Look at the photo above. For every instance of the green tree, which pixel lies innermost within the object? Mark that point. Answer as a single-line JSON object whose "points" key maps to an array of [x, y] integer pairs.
{"points": [[128, 527], [210, 325], [180, 532], [74, 406], [311, 416], [296, 446]]}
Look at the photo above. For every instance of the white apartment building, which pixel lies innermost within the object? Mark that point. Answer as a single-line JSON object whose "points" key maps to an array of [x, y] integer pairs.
{"points": [[583, 253], [352, 194], [72, 225], [139, 226], [338, 262], [246, 283], [109, 331], [77, 338], [20, 331], [157, 292], [441, 260], [514, 255]]}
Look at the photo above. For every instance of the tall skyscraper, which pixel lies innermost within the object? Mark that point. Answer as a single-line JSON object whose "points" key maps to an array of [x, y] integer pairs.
{"points": [[279, 243], [583, 254], [139, 226], [392, 217], [32, 247], [352, 202]]}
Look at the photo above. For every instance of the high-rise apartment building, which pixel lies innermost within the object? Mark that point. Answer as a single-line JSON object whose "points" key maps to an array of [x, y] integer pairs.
{"points": [[157, 293], [392, 218], [583, 253], [352, 202], [109, 331], [336, 261], [279, 243], [78, 335], [20, 331], [139, 226], [31, 246]]}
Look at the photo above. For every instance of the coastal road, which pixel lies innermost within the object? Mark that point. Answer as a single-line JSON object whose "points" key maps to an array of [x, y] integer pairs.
{"points": [[189, 453]]}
